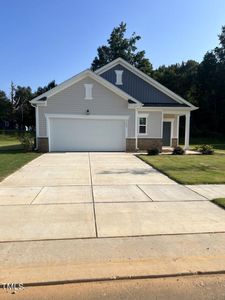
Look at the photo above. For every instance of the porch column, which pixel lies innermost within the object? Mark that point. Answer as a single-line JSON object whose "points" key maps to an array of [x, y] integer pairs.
{"points": [[187, 130], [136, 130]]}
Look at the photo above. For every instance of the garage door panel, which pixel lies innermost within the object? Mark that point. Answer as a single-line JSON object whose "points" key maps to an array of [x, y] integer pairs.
{"points": [[87, 135]]}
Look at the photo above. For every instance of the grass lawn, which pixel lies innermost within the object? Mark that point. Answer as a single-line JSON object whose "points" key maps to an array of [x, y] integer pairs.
{"points": [[10, 161], [9, 142], [220, 202], [12, 156], [190, 169]]}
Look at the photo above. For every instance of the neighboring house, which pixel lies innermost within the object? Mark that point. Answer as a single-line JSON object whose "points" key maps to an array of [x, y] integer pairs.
{"points": [[116, 108]]}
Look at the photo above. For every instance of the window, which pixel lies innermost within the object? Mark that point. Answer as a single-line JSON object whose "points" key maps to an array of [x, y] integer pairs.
{"points": [[119, 74], [88, 91], [142, 125]]}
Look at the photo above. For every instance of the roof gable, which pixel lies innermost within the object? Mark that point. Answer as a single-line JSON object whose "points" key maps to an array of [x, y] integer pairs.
{"points": [[141, 86], [77, 78], [137, 87]]}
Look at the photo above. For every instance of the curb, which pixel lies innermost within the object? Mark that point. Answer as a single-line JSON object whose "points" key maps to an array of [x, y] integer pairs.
{"points": [[103, 279]]}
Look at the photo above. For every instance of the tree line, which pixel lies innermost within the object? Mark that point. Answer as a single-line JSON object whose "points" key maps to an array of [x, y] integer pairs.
{"points": [[202, 84], [16, 112]]}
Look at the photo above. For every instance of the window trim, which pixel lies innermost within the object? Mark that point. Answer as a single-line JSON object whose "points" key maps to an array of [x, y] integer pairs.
{"points": [[145, 116], [88, 91], [119, 77]]}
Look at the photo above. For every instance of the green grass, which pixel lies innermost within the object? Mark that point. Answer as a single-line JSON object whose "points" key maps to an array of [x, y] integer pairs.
{"points": [[12, 155], [190, 169], [9, 142], [10, 161], [220, 202]]}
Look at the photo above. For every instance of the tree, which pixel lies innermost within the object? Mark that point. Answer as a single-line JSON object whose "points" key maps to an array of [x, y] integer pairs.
{"points": [[120, 46], [41, 90], [207, 85], [203, 85], [12, 92], [180, 78], [211, 91], [220, 51], [220, 93], [5, 107], [23, 111]]}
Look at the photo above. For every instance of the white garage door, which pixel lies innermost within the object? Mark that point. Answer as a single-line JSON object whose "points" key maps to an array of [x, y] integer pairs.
{"points": [[86, 134]]}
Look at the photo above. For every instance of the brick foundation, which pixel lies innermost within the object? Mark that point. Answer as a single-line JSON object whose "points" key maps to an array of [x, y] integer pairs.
{"points": [[145, 144], [130, 145], [43, 145], [174, 142]]}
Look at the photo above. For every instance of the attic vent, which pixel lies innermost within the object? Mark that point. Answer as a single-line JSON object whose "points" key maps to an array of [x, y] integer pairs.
{"points": [[88, 91], [119, 74]]}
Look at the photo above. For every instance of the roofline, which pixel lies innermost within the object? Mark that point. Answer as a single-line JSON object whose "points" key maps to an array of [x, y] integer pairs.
{"points": [[67, 83], [145, 77], [166, 108]]}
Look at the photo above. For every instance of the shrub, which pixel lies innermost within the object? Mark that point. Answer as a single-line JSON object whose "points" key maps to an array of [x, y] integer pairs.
{"points": [[205, 149], [153, 151], [178, 151], [27, 140]]}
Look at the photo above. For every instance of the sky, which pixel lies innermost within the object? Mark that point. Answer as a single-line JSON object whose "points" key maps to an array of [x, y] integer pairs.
{"points": [[44, 40]]}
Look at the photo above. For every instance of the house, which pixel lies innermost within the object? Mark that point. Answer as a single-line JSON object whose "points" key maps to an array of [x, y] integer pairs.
{"points": [[116, 108]]}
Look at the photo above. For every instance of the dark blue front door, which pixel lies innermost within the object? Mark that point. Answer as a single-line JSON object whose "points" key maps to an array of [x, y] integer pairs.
{"points": [[166, 134]]}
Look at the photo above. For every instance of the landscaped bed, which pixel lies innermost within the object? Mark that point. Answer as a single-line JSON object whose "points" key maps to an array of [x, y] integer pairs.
{"points": [[190, 169]]}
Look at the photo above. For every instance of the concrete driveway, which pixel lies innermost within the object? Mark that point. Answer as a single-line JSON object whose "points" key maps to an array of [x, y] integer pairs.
{"points": [[89, 195]]}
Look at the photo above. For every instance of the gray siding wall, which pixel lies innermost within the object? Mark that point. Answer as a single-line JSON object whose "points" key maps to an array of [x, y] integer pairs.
{"points": [[71, 101], [154, 124], [137, 87]]}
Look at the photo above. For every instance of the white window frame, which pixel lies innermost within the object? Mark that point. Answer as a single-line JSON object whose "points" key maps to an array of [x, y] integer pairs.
{"points": [[119, 77], [88, 91], [141, 116]]}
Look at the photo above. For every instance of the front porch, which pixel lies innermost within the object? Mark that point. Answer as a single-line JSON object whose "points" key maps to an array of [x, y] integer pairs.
{"points": [[171, 129], [168, 128]]}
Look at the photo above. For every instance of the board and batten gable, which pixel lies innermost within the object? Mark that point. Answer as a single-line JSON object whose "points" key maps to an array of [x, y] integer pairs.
{"points": [[71, 101], [137, 87]]}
